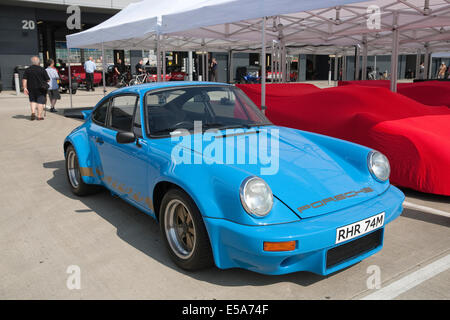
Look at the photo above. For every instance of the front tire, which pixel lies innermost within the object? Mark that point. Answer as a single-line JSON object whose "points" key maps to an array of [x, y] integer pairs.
{"points": [[184, 232], [73, 173]]}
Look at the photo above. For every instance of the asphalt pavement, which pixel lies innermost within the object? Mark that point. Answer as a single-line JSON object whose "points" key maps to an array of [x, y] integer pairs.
{"points": [[46, 232]]}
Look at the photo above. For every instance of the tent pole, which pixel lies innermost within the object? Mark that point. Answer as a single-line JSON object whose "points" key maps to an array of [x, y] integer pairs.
{"points": [[271, 63], [344, 67], [207, 66], [375, 67], [263, 65], [336, 65], [190, 66], [230, 66], [158, 58], [103, 69], [164, 59], [283, 62], [357, 55], [69, 76], [364, 60], [418, 56], [394, 57], [277, 62], [204, 66], [427, 62]]}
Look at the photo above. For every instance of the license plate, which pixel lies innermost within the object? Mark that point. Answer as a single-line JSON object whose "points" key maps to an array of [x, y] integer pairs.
{"points": [[359, 228]]}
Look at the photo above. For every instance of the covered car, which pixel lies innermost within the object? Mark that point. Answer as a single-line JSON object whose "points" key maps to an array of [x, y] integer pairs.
{"points": [[415, 137], [431, 93]]}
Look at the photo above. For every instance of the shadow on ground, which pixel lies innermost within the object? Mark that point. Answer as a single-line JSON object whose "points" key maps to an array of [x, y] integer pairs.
{"points": [[142, 232], [22, 117], [426, 217], [423, 216]]}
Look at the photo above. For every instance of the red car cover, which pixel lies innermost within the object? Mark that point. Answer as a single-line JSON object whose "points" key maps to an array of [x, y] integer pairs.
{"points": [[415, 137], [431, 93]]}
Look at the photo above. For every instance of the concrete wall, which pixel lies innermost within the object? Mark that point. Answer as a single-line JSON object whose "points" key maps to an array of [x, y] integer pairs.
{"points": [[16, 44]]}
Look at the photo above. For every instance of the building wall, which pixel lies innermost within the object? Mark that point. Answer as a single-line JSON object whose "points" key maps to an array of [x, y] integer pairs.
{"points": [[19, 36], [17, 45]]}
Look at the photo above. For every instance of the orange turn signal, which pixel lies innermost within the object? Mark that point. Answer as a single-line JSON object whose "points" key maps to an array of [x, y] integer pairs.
{"points": [[279, 246]]}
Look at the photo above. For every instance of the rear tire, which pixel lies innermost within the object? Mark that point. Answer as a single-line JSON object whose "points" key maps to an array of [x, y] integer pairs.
{"points": [[184, 231], [73, 173]]}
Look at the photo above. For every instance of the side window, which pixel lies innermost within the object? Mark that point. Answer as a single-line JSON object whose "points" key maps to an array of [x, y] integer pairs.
{"points": [[99, 114], [122, 110], [196, 104]]}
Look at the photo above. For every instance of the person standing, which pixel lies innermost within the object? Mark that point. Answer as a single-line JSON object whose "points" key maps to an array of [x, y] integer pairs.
{"points": [[89, 68], [442, 70], [35, 85], [53, 89], [422, 71], [119, 71], [213, 70], [139, 67]]}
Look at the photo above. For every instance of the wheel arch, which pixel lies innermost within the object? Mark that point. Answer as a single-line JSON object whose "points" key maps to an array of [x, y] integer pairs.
{"points": [[160, 190], [79, 141]]}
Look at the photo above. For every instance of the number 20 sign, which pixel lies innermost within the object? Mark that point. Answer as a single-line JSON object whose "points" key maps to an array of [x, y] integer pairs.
{"points": [[28, 25]]}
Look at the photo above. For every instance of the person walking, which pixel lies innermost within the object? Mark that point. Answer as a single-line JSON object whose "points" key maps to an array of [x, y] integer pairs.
{"points": [[35, 86], [213, 70], [442, 70], [53, 89], [89, 68], [422, 71]]}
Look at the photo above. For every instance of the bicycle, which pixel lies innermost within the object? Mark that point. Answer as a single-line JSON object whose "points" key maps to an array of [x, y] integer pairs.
{"points": [[138, 79], [121, 82]]}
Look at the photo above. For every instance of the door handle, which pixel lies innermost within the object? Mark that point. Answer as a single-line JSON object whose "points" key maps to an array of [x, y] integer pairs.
{"points": [[99, 140]]}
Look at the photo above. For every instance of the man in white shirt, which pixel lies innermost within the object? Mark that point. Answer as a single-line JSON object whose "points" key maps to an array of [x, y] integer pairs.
{"points": [[89, 67]]}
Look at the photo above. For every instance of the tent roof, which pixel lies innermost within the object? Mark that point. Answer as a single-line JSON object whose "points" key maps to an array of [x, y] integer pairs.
{"points": [[218, 25], [339, 24], [136, 26]]}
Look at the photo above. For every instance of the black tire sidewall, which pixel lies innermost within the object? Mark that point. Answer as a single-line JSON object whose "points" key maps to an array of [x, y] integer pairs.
{"points": [[82, 188], [202, 256]]}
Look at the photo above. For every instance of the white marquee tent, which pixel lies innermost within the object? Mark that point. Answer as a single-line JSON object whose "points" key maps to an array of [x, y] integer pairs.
{"points": [[402, 25]]}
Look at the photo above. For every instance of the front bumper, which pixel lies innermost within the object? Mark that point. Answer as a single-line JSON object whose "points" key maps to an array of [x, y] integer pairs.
{"points": [[241, 246]]}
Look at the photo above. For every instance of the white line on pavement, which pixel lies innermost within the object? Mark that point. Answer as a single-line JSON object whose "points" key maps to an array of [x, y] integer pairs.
{"points": [[408, 282], [410, 205]]}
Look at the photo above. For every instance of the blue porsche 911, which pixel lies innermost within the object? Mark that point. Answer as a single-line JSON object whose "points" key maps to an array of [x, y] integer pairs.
{"points": [[227, 186]]}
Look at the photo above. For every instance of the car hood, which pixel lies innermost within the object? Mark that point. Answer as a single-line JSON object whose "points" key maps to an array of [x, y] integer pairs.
{"points": [[310, 173]]}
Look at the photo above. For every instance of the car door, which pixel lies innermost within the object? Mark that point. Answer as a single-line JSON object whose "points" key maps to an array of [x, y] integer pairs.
{"points": [[124, 165]]}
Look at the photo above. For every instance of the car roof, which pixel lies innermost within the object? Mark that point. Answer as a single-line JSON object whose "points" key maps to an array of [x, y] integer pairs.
{"points": [[143, 88]]}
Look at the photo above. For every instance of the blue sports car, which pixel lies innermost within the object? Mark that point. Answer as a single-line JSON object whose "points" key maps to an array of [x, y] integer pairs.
{"points": [[228, 187]]}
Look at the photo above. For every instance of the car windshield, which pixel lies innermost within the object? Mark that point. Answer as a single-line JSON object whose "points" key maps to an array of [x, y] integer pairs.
{"points": [[218, 107]]}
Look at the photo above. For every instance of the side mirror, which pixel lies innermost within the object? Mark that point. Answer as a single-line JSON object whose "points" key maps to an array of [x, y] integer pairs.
{"points": [[125, 137], [86, 113]]}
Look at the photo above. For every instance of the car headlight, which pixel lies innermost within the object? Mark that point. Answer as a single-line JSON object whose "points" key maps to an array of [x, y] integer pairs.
{"points": [[378, 165], [256, 196]]}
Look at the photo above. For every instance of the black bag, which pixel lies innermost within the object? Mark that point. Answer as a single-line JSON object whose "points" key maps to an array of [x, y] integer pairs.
{"points": [[44, 87], [44, 84]]}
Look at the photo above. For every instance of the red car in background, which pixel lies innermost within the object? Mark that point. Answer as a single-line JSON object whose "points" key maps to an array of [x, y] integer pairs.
{"points": [[78, 77], [415, 137], [177, 76]]}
